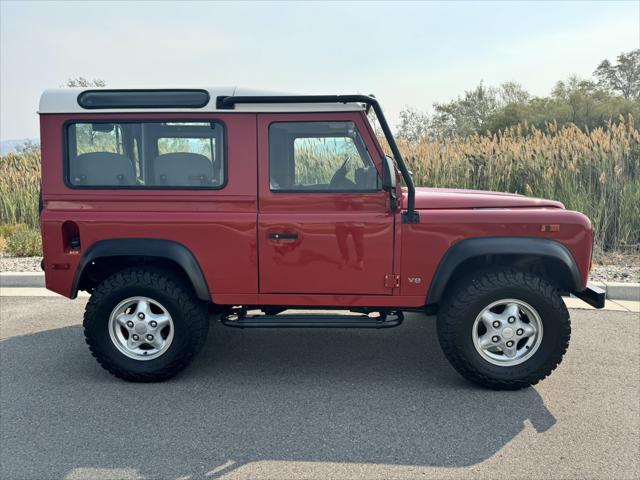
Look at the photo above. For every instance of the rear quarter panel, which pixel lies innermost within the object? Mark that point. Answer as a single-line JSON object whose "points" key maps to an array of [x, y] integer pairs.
{"points": [[217, 226]]}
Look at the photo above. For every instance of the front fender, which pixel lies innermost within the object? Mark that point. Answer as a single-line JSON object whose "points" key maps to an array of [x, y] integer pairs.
{"points": [[504, 246]]}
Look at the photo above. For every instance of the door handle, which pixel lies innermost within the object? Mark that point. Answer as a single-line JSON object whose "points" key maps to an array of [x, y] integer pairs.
{"points": [[283, 236]]}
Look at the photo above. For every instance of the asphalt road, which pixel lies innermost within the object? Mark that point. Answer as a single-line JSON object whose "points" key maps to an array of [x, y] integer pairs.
{"points": [[283, 404]]}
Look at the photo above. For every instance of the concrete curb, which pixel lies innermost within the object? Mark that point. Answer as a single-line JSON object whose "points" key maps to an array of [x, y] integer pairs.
{"points": [[22, 279], [615, 290], [622, 291]]}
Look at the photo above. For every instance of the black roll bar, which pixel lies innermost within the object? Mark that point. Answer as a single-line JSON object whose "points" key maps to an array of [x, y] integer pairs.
{"points": [[410, 216]]}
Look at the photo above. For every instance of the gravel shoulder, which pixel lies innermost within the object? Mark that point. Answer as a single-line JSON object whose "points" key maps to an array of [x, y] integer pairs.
{"points": [[616, 267], [20, 264]]}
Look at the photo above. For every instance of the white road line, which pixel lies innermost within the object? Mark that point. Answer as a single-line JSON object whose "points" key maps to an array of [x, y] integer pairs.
{"points": [[32, 292], [220, 468]]}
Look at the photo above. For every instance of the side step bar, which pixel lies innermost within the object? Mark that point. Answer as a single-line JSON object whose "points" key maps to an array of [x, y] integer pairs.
{"points": [[593, 295], [239, 319]]}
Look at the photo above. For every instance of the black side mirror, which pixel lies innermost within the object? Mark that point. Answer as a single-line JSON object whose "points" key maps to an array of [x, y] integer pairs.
{"points": [[388, 174], [389, 181]]}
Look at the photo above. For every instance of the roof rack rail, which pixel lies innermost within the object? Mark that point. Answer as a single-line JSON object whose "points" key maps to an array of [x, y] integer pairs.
{"points": [[410, 216]]}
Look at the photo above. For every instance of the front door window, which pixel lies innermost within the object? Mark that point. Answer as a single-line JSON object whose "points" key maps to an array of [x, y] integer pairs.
{"points": [[319, 157]]}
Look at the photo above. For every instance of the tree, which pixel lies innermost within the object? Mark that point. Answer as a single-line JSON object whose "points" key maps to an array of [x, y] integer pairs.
{"points": [[513, 92], [28, 146], [623, 77], [84, 82], [586, 103], [468, 114], [414, 124], [474, 112], [514, 102]]}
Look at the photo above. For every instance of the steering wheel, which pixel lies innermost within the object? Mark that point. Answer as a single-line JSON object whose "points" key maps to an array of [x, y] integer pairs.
{"points": [[339, 179]]}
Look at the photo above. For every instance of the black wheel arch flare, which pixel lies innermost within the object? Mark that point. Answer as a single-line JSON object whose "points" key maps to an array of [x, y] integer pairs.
{"points": [[471, 248], [145, 247]]}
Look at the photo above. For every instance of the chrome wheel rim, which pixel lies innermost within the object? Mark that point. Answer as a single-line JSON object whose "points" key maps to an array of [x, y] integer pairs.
{"points": [[507, 332], [141, 328]]}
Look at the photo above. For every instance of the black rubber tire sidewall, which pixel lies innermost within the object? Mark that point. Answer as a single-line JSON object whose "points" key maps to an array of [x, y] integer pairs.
{"points": [[177, 300], [475, 296]]}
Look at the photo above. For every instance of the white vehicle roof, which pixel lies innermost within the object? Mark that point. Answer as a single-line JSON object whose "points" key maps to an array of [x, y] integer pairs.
{"points": [[65, 100]]}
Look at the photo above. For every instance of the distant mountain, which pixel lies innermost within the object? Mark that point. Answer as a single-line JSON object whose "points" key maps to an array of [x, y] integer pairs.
{"points": [[8, 146]]}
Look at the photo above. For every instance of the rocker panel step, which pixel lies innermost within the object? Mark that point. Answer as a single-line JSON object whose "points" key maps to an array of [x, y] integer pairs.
{"points": [[311, 321]]}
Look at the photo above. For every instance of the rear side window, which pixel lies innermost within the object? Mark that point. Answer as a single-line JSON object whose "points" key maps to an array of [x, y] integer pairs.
{"points": [[146, 155], [319, 157]]}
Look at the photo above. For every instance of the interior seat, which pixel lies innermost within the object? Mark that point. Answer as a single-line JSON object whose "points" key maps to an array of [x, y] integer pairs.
{"points": [[183, 169], [102, 168], [366, 178]]}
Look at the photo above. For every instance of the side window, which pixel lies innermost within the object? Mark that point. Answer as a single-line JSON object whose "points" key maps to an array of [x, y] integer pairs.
{"points": [[319, 156], [146, 154]]}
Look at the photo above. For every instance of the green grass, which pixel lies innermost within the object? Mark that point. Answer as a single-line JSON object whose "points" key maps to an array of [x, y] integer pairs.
{"points": [[24, 241], [19, 188]]}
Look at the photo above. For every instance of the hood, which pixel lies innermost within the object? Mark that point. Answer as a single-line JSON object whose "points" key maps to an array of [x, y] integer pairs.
{"points": [[451, 198]]}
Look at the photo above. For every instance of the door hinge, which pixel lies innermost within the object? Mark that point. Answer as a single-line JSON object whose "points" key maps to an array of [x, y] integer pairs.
{"points": [[392, 280]]}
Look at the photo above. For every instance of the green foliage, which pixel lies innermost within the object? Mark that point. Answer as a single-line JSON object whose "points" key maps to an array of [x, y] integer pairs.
{"points": [[7, 229], [413, 125], [624, 77], [28, 147], [20, 187], [24, 242], [584, 103], [84, 82], [469, 113]]}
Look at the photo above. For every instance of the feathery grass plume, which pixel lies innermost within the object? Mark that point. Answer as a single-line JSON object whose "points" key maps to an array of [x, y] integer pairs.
{"points": [[20, 187], [595, 172]]}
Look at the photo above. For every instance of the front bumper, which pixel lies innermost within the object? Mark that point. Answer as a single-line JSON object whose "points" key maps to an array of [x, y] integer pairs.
{"points": [[593, 295]]}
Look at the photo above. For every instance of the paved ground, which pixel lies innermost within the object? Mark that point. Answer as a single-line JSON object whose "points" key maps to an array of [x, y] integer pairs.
{"points": [[312, 404]]}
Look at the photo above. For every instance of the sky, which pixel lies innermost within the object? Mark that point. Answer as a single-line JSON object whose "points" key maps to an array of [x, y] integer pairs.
{"points": [[407, 54]]}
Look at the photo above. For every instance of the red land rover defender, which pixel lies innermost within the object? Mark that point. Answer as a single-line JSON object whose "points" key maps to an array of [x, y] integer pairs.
{"points": [[277, 211]]}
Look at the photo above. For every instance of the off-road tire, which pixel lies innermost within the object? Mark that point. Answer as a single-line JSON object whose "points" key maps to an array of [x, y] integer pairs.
{"points": [[467, 299], [189, 315]]}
